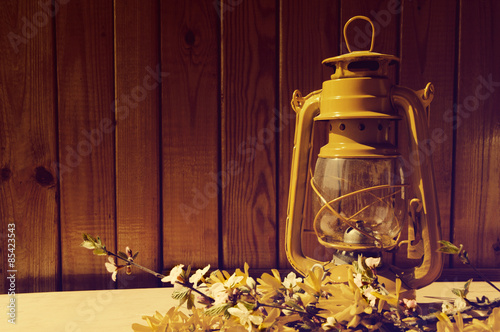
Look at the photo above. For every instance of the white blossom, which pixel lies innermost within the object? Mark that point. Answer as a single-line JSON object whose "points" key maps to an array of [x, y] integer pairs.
{"points": [[447, 307], [410, 304], [358, 280], [251, 283], [220, 290], [291, 280], [232, 281], [174, 274], [219, 293], [111, 267], [245, 316], [372, 262], [195, 278], [331, 323], [459, 304], [372, 299]]}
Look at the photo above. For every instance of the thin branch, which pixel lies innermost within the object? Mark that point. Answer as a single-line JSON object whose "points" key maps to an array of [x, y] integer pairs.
{"points": [[290, 309], [483, 276], [196, 291], [159, 275], [145, 269]]}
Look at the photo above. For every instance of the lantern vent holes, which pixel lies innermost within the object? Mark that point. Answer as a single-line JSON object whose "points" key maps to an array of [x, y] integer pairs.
{"points": [[367, 65], [361, 127]]}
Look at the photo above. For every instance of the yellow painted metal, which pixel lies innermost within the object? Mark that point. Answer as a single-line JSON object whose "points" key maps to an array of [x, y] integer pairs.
{"points": [[361, 106]]}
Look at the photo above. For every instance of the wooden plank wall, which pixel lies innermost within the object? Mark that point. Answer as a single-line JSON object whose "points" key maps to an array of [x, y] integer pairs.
{"points": [[165, 126]]}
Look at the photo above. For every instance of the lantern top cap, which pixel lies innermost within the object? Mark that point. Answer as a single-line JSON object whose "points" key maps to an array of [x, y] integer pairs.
{"points": [[365, 61], [360, 56]]}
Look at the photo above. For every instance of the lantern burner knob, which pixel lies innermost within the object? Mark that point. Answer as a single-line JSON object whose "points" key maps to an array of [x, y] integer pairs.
{"points": [[354, 236]]}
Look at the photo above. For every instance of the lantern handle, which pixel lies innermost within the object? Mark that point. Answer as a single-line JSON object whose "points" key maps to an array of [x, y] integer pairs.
{"points": [[414, 106], [350, 21], [426, 96], [297, 101], [306, 108]]}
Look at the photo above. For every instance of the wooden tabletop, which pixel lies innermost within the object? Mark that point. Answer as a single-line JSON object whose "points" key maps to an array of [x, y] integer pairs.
{"points": [[117, 310]]}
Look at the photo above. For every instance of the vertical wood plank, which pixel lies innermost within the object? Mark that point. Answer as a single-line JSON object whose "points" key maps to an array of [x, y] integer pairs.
{"points": [[28, 185], [477, 180], [249, 80], [137, 87], [84, 40], [309, 33], [190, 56], [428, 55]]}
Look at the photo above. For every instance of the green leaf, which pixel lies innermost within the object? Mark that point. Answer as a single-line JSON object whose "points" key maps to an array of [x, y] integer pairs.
{"points": [[180, 293], [294, 305], [187, 273], [90, 238], [462, 292], [448, 251], [123, 255], [369, 272], [466, 287], [88, 245], [190, 301], [135, 255], [88, 241], [363, 263], [85, 237], [464, 257], [357, 268], [449, 248], [218, 309], [100, 252], [248, 305], [183, 300], [244, 289], [458, 292]]}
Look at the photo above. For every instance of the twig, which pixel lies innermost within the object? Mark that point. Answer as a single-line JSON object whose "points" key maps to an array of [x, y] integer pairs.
{"points": [[483, 276], [196, 291], [145, 269]]}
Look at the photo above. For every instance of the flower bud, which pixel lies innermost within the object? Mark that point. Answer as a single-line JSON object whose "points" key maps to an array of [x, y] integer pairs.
{"points": [[129, 252], [251, 283]]}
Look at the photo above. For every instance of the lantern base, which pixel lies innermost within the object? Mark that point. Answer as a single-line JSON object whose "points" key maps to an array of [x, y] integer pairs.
{"points": [[341, 257]]}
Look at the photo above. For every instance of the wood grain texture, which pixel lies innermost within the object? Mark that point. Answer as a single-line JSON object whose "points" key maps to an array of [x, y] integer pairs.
{"points": [[28, 185], [428, 38], [199, 165], [309, 33], [190, 56], [84, 40], [249, 138], [137, 92], [477, 179]]}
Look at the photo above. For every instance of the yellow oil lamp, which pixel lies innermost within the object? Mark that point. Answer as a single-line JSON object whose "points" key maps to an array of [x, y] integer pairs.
{"points": [[364, 190]]}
